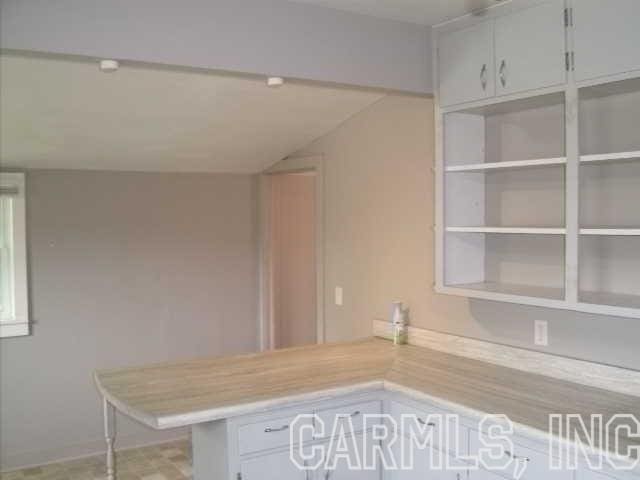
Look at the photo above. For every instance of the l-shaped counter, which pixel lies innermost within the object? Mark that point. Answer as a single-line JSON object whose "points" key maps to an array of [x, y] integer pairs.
{"points": [[212, 391]]}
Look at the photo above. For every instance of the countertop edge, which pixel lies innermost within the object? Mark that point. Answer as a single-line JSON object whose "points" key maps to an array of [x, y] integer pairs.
{"points": [[145, 419], [221, 413]]}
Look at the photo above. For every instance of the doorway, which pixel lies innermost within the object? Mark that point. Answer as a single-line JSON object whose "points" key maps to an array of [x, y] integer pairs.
{"points": [[292, 258]]}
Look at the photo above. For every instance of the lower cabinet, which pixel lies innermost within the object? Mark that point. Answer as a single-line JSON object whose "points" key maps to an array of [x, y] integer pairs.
{"points": [[421, 468], [366, 449], [277, 466], [484, 475], [529, 463], [585, 474], [256, 447]]}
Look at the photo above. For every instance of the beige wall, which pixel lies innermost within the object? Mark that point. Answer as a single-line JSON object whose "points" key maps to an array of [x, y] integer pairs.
{"points": [[379, 200], [126, 269], [293, 229]]}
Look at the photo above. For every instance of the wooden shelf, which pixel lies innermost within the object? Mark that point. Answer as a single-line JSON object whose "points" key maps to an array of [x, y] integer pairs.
{"points": [[631, 232], [514, 289], [611, 157], [509, 230], [478, 167]]}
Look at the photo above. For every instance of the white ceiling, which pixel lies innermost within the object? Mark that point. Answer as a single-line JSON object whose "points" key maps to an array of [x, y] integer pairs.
{"points": [[61, 113], [424, 12]]}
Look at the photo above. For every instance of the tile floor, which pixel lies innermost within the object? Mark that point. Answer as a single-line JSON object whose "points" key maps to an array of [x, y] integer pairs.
{"points": [[168, 461]]}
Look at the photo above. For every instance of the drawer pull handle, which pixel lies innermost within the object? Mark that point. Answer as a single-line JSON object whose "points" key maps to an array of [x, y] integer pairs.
{"points": [[422, 422], [344, 416], [274, 430], [516, 457]]}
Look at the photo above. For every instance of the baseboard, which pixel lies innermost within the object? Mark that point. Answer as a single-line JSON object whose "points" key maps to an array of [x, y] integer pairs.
{"points": [[65, 453]]}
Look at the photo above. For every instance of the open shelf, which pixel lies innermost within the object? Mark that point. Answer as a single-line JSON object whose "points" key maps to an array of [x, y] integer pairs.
{"points": [[479, 167], [498, 263], [531, 291], [612, 299], [609, 197], [611, 157], [609, 178], [518, 133], [609, 270], [608, 119], [504, 216], [507, 199], [619, 232], [509, 230], [505, 168]]}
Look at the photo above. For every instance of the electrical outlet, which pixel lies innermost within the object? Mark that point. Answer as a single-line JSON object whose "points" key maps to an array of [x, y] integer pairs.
{"points": [[541, 333], [339, 296]]}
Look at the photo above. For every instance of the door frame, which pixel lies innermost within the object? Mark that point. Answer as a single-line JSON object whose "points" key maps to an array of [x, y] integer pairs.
{"points": [[314, 164]]}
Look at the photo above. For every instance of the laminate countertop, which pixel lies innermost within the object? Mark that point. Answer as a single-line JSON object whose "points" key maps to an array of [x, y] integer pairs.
{"points": [[180, 394]]}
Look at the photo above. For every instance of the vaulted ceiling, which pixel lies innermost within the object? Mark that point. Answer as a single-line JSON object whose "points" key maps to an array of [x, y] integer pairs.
{"points": [[65, 113]]}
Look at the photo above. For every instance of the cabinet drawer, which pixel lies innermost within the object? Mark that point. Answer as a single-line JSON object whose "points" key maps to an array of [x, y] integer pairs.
{"points": [[272, 433], [537, 463], [427, 420], [352, 416]]}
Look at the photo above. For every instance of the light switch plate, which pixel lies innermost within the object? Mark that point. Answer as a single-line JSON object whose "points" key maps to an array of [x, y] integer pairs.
{"points": [[339, 296], [541, 333]]}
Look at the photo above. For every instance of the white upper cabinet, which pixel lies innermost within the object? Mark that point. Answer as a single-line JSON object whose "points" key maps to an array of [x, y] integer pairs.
{"points": [[530, 49], [465, 64], [512, 53], [606, 37]]}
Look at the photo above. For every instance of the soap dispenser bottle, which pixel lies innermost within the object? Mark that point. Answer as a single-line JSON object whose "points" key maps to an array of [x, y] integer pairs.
{"points": [[399, 324]]}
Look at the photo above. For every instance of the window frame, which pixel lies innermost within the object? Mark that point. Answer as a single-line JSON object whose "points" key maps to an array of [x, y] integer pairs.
{"points": [[19, 324]]}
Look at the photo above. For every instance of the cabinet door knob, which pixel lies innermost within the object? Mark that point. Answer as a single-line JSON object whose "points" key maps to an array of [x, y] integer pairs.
{"points": [[483, 76], [503, 74]]}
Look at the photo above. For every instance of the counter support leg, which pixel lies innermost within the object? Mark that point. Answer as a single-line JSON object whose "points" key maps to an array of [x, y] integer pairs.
{"points": [[109, 436]]}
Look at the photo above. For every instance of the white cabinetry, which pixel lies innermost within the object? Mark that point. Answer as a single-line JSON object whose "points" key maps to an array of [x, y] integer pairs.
{"points": [[259, 446], [537, 186], [609, 218], [275, 466], [511, 53], [466, 64], [530, 49], [415, 455], [606, 37], [422, 467], [525, 463], [504, 198], [342, 471], [484, 475]]}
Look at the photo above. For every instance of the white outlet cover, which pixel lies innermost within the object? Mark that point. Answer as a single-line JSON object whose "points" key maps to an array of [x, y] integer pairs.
{"points": [[339, 296], [541, 333]]}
